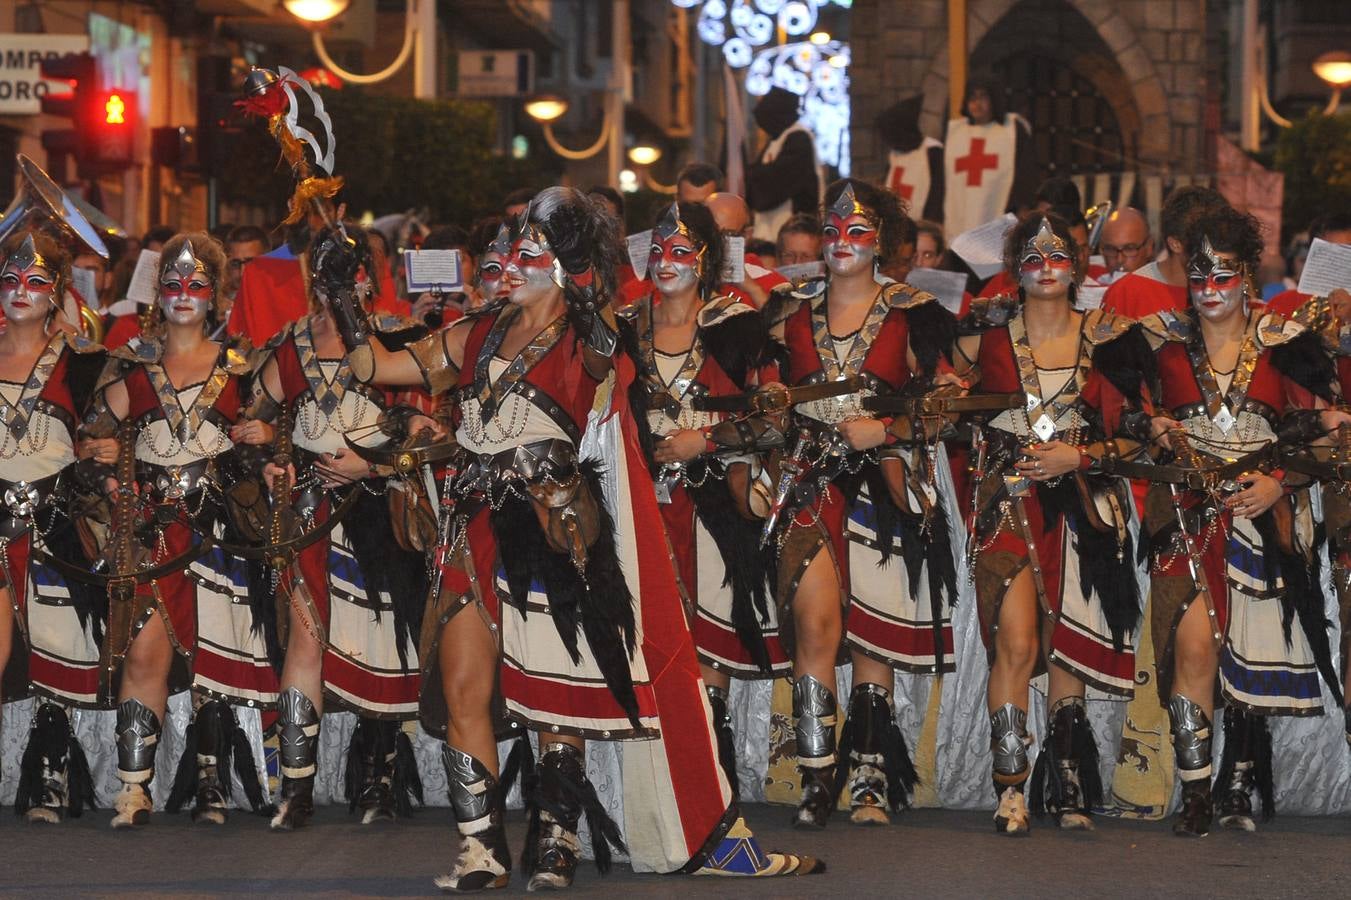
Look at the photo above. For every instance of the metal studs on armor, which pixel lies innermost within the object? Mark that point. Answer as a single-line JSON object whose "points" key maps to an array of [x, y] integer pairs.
{"points": [[298, 734], [138, 731], [815, 709], [1008, 741]]}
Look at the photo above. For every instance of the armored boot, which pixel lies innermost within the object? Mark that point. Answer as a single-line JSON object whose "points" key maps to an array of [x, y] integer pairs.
{"points": [[1192, 748], [484, 859], [880, 774], [370, 770], [53, 775], [1066, 782], [138, 732], [1246, 766], [558, 795], [722, 725], [213, 771], [1009, 741], [815, 711], [298, 726]]}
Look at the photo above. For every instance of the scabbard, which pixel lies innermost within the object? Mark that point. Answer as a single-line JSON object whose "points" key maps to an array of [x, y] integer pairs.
{"points": [[779, 399], [937, 406]]}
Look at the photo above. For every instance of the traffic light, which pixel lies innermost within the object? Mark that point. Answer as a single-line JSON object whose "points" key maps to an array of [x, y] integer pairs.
{"points": [[103, 120]]}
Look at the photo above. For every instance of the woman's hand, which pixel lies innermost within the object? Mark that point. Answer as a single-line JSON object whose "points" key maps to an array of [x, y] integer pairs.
{"points": [[419, 423], [341, 467], [863, 433], [272, 470], [680, 446], [1332, 419], [252, 432], [1160, 427], [100, 450], [1043, 462], [424, 304], [950, 377], [1261, 492]]}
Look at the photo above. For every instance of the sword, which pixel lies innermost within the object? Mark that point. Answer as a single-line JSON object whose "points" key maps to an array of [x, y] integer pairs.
{"points": [[779, 399], [941, 404], [790, 471], [1182, 447], [977, 471]]}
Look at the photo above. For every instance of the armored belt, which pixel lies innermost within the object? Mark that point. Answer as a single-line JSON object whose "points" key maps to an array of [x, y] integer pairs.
{"points": [[174, 482], [22, 500], [549, 458]]}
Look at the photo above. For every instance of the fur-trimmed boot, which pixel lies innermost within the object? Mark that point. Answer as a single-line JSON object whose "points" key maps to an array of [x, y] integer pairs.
{"points": [[483, 860], [138, 734], [880, 774], [558, 794], [211, 744], [1066, 781], [815, 712], [382, 776], [1245, 767], [1192, 749], [298, 736], [54, 778], [1009, 741]]}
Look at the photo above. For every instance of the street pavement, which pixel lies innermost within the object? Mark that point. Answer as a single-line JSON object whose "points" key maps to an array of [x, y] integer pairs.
{"points": [[928, 853]]}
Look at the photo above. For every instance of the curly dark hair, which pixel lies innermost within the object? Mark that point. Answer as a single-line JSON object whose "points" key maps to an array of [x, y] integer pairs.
{"points": [[704, 231], [1229, 231], [1026, 229], [210, 253], [57, 258], [889, 208], [568, 216]]}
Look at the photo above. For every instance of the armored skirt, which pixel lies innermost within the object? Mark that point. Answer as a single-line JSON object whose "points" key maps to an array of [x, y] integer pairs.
{"points": [[58, 618], [1073, 536], [363, 593], [203, 593]]}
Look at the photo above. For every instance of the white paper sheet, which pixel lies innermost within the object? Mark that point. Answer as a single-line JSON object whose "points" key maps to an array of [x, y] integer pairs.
{"points": [[433, 270], [982, 248], [1327, 268], [948, 287], [142, 287], [83, 282], [734, 262], [639, 246]]}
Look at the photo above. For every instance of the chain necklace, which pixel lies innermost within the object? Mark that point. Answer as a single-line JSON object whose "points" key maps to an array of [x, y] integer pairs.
{"points": [[35, 445]]}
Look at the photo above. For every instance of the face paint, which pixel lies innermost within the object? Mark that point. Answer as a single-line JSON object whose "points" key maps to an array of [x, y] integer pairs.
{"points": [[185, 288], [1215, 283], [529, 273], [674, 264], [27, 293], [1046, 269], [849, 244], [490, 275]]}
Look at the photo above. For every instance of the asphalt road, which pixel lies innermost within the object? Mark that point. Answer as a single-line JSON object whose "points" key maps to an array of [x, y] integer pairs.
{"points": [[928, 853]]}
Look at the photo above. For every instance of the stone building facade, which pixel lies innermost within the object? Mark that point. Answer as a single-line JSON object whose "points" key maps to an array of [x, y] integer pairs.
{"points": [[1142, 62]]}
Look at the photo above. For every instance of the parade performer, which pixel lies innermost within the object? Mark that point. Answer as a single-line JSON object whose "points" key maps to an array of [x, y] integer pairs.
{"points": [[554, 592], [989, 160], [692, 346], [786, 177], [1229, 538], [1055, 565], [163, 415], [349, 602], [50, 624], [914, 160], [859, 528]]}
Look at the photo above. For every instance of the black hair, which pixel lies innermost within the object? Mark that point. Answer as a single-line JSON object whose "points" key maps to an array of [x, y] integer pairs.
{"points": [[704, 231], [988, 83], [1229, 231], [1184, 206], [801, 223], [245, 234], [889, 208], [446, 237], [933, 230], [1026, 229], [609, 193], [1333, 221], [160, 234], [570, 218], [482, 233], [518, 197], [1073, 215], [700, 174], [1059, 191]]}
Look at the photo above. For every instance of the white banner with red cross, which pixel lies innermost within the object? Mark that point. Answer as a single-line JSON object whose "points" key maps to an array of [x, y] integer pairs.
{"points": [[908, 176], [978, 169]]}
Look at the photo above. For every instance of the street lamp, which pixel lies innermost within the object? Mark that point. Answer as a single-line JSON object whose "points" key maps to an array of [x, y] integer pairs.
{"points": [[546, 107], [644, 154], [1335, 70], [316, 11]]}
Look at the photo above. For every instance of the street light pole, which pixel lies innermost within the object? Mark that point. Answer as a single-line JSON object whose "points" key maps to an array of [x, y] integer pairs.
{"points": [[619, 88], [424, 51]]}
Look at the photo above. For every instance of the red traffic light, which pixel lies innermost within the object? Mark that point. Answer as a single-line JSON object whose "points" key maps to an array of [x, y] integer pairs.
{"points": [[74, 71], [106, 127], [114, 110]]}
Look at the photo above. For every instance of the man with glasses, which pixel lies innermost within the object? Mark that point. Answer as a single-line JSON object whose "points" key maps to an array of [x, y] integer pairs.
{"points": [[1157, 286], [799, 241], [243, 244], [1126, 244]]}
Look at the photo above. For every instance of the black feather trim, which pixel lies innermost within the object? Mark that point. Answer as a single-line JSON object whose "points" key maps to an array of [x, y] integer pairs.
{"points": [[1069, 738], [520, 763], [738, 543], [51, 742], [1301, 598], [246, 767], [736, 343], [406, 782], [185, 776], [871, 730], [1303, 360], [1128, 364], [599, 605], [387, 567], [933, 331], [566, 796], [359, 747], [1247, 739], [79, 780], [89, 601]]}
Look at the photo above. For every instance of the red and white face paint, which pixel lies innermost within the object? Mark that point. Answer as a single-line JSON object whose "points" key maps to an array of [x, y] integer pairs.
{"points": [[491, 283], [532, 273], [849, 244], [27, 293], [674, 264], [1046, 268], [1215, 282], [185, 300]]}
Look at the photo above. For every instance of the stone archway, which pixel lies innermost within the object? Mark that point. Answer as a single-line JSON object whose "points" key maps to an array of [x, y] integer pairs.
{"points": [[1121, 38]]}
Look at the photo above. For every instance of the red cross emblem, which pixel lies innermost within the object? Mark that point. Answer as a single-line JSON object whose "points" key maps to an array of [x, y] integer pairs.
{"points": [[900, 189], [976, 162]]}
